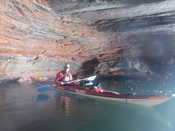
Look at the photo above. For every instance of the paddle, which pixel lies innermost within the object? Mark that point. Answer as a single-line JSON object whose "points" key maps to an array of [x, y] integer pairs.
{"points": [[91, 78], [44, 88], [47, 87]]}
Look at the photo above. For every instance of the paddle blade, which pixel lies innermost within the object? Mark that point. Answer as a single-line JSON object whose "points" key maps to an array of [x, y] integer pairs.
{"points": [[91, 78], [44, 88]]}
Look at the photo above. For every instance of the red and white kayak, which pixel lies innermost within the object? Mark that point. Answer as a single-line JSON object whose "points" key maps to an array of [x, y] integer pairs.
{"points": [[115, 96], [110, 95]]}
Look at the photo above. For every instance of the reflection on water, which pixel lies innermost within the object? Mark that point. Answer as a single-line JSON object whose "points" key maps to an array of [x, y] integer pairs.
{"points": [[23, 108], [42, 97], [65, 105]]}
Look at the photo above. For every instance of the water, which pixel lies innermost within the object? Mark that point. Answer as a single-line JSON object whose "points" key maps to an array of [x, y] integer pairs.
{"points": [[23, 108]]}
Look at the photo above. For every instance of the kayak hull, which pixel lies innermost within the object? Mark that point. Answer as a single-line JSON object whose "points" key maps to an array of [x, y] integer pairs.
{"points": [[115, 96]]}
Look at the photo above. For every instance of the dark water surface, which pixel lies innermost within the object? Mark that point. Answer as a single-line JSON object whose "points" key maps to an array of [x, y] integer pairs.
{"points": [[23, 108]]}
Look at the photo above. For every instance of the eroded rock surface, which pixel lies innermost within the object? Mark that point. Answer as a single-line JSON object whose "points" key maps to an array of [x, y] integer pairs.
{"points": [[111, 37]]}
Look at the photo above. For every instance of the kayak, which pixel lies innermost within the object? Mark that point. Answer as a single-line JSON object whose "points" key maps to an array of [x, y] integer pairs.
{"points": [[39, 79], [107, 94], [114, 96]]}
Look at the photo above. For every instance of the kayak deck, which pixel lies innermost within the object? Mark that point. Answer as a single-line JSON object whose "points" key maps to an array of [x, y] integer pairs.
{"points": [[115, 96]]}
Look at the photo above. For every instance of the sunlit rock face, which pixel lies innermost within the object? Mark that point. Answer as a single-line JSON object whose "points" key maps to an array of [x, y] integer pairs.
{"points": [[109, 37], [34, 39]]}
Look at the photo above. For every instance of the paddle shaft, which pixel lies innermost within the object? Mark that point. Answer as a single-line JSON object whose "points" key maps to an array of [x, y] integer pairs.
{"points": [[73, 81]]}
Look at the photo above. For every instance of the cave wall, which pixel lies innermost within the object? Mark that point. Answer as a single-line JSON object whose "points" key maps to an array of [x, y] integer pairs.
{"points": [[124, 37], [36, 40]]}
